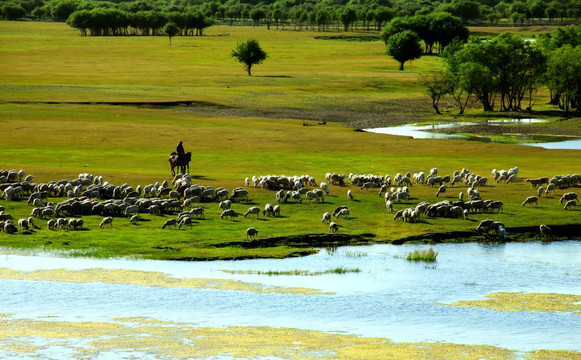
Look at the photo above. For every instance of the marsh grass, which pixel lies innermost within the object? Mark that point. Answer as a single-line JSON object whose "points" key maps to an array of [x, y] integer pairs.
{"points": [[428, 255], [338, 270]]}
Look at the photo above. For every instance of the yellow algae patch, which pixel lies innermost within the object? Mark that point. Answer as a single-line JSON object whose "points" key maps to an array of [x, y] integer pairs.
{"points": [[148, 278], [507, 301], [553, 355], [186, 341]]}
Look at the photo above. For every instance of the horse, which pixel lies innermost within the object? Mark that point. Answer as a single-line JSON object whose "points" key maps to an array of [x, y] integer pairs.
{"points": [[183, 163]]}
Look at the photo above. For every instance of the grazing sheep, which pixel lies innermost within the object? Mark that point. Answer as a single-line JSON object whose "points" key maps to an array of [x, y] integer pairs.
{"points": [[311, 195], [501, 231], [350, 194], [23, 224], [62, 222], [9, 227], [333, 227], [276, 211], [465, 214], [51, 224], [545, 231], [401, 195], [134, 219], [251, 233], [495, 205], [540, 191], [389, 206], [239, 194], [441, 190], [461, 196], [154, 210], [280, 196], [337, 210], [185, 222], [170, 222], [399, 215], [325, 188], [224, 205], [228, 213], [484, 225], [531, 200], [106, 221], [132, 210], [31, 223], [343, 213], [198, 212], [550, 189], [268, 210], [326, 217], [254, 210], [570, 204], [367, 185], [320, 193], [568, 196]]}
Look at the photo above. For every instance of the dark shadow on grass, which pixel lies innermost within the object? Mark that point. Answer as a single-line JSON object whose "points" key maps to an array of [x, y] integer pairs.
{"points": [[275, 76]]}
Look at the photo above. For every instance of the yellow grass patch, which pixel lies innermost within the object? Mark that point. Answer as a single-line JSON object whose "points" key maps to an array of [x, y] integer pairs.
{"points": [[182, 340], [147, 278], [507, 301]]}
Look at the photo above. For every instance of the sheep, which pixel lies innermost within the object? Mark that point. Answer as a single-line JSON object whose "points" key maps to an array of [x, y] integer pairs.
{"points": [[461, 196], [540, 191], [185, 222], [465, 214], [224, 205], [333, 227], [268, 210], [456, 211], [247, 182], [31, 223], [251, 233], [276, 211], [495, 205], [106, 221], [132, 210], [325, 188], [170, 222], [254, 210], [326, 217], [198, 212], [382, 189], [501, 231], [23, 224], [550, 189], [320, 193], [62, 222], [9, 227], [239, 194], [310, 195], [134, 219], [389, 206], [570, 204], [350, 194], [401, 195], [51, 224], [545, 231], [343, 213], [228, 213], [154, 210], [441, 190], [367, 185], [531, 200], [398, 214], [484, 225], [337, 210], [280, 196], [568, 196]]}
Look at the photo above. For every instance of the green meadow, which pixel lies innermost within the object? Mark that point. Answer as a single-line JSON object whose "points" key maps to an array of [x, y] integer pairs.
{"points": [[64, 111]]}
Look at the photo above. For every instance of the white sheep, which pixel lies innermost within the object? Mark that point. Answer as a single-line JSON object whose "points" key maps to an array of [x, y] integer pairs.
{"points": [[253, 210], [106, 221], [344, 213], [251, 233], [310, 195], [550, 189], [531, 200], [276, 211], [326, 217], [224, 205], [170, 222], [333, 227], [389, 206], [325, 188], [568, 196], [350, 194], [545, 231], [134, 219], [198, 212], [540, 191], [228, 213], [268, 210], [441, 190]]}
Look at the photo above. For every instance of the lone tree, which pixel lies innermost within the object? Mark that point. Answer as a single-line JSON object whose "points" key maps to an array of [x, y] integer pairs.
{"points": [[249, 53], [171, 29], [404, 46]]}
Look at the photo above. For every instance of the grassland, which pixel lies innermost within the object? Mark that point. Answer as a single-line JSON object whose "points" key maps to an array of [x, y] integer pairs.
{"points": [[58, 120]]}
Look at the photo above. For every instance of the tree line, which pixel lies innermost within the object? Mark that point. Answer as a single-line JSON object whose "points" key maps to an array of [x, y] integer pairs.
{"points": [[506, 70], [320, 14]]}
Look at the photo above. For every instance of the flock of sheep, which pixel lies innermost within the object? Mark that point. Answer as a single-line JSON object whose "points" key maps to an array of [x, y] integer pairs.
{"points": [[91, 195]]}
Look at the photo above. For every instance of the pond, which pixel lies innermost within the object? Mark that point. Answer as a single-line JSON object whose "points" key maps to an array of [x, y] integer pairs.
{"points": [[422, 132], [389, 297]]}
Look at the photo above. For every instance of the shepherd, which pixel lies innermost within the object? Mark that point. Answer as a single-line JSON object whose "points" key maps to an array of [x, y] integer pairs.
{"points": [[180, 159]]}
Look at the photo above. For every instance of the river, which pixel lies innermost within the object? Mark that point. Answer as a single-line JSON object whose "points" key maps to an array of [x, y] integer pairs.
{"points": [[389, 297]]}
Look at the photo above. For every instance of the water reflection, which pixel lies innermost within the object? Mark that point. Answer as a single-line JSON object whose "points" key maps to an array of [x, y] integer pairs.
{"points": [[390, 297], [421, 132]]}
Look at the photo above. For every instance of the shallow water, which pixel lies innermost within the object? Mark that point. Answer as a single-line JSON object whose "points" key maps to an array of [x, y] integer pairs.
{"points": [[420, 132], [390, 297]]}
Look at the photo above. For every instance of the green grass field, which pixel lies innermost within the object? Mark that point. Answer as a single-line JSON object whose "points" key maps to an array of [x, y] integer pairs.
{"points": [[48, 68]]}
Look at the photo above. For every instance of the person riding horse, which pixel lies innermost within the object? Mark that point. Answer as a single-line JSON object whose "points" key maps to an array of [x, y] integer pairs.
{"points": [[180, 151]]}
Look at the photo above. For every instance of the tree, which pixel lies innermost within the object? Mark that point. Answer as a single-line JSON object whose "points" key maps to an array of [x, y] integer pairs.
{"points": [[171, 29], [348, 16], [249, 53], [437, 85], [256, 15], [12, 11], [404, 46], [564, 76]]}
